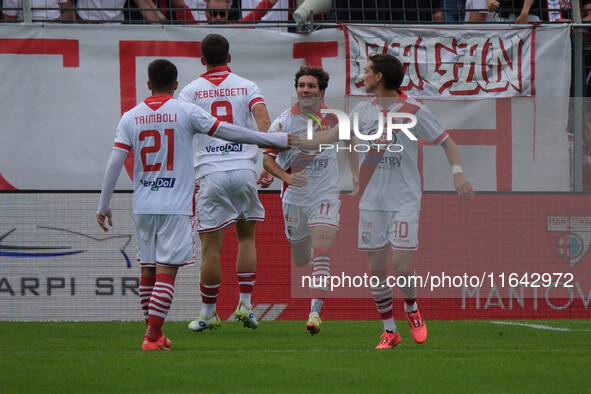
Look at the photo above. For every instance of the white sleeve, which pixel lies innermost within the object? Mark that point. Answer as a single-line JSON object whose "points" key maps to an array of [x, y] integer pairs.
{"points": [[234, 133], [114, 166]]}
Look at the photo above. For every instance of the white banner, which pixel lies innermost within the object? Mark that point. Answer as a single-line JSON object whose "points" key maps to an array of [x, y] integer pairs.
{"points": [[451, 62], [55, 264], [66, 86]]}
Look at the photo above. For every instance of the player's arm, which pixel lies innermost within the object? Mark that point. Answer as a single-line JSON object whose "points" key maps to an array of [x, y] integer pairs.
{"points": [[114, 166], [235, 133], [260, 11], [149, 11], [463, 187], [298, 179], [321, 138], [261, 117]]}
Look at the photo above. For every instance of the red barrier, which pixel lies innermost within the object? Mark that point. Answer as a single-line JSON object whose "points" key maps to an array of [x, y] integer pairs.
{"points": [[498, 238]]}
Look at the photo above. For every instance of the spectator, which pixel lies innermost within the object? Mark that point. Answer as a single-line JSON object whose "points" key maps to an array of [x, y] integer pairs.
{"points": [[41, 10], [479, 10], [219, 11], [256, 10], [195, 10], [111, 11], [453, 10], [176, 9], [518, 11]]}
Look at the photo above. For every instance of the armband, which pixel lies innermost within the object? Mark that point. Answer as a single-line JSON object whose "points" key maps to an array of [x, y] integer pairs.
{"points": [[456, 170]]}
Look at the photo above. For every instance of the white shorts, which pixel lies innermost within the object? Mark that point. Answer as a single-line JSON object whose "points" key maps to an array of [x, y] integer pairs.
{"points": [[164, 240], [299, 219], [378, 228], [225, 197]]}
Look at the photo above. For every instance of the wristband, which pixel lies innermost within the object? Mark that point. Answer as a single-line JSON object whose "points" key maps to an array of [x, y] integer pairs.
{"points": [[456, 170]]}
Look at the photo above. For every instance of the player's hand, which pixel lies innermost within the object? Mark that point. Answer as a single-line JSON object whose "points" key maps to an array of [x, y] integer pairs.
{"points": [[265, 179], [493, 5], [197, 187], [298, 179], [293, 141], [463, 187], [355, 191], [101, 220]]}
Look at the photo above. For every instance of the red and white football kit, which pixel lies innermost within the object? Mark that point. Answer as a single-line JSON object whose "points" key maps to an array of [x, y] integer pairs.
{"points": [[160, 132], [231, 193], [317, 203], [389, 181]]}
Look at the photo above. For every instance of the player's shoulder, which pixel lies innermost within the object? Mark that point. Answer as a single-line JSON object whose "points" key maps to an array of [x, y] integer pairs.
{"points": [[139, 109], [410, 100], [361, 106], [241, 81], [284, 115], [194, 84]]}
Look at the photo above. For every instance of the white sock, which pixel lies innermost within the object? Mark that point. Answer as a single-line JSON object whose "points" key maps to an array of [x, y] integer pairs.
{"points": [[245, 298], [389, 325], [410, 308], [316, 306], [207, 310]]}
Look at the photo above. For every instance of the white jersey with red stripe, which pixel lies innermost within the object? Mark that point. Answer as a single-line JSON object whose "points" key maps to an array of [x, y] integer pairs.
{"points": [[160, 131], [389, 180], [229, 98], [321, 168]]}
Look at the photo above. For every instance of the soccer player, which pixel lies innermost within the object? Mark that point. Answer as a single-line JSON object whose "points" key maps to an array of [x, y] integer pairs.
{"points": [[311, 191], [226, 176], [160, 131], [390, 188]]}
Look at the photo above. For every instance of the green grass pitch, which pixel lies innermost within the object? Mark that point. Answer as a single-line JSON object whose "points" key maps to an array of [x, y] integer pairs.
{"points": [[278, 357]]}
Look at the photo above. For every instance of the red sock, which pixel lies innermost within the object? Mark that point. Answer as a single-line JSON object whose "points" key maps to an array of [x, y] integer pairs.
{"points": [[246, 281], [160, 302], [382, 294], [145, 290], [209, 298]]}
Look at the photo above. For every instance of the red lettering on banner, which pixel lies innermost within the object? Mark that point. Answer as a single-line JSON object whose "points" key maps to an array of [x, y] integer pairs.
{"points": [[69, 49], [128, 52], [466, 66], [314, 52]]}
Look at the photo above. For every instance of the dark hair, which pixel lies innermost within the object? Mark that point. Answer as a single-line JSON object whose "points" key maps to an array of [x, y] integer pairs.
{"points": [[317, 72], [162, 74], [215, 49], [390, 67]]}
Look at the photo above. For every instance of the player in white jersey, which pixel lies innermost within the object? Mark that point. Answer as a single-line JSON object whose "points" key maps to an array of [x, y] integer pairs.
{"points": [[310, 188], [226, 175], [160, 131], [390, 187]]}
